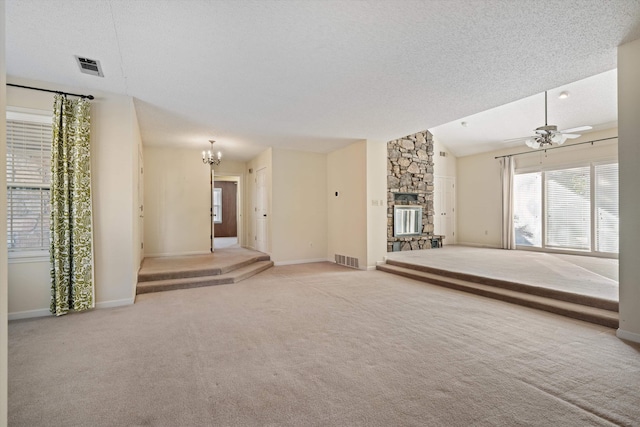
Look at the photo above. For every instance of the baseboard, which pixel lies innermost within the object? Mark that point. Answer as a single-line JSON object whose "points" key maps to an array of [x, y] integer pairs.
{"points": [[629, 336], [371, 267], [300, 261], [115, 303], [165, 254], [44, 312], [29, 314]]}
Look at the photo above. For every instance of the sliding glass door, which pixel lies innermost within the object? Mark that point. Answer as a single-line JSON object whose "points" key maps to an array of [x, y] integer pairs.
{"points": [[573, 209]]}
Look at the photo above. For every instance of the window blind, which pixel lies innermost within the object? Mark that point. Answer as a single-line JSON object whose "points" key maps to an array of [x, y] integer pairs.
{"points": [[606, 207], [28, 182], [568, 208]]}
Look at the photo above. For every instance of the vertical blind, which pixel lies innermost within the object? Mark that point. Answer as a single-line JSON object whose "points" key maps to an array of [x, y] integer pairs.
{"points": [[28, 182]]}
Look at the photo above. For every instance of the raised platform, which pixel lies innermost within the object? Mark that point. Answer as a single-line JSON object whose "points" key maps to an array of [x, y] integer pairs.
{"points": [[224, 266], [579, 287]]}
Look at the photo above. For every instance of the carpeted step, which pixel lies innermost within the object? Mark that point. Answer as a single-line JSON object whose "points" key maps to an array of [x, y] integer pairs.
{"points": [[514, 286], [199, 272], [577, 311], [234, 276]]}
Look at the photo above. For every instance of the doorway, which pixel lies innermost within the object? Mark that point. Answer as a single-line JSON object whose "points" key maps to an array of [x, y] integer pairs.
{"points": [[444, 208], [226, 213]]}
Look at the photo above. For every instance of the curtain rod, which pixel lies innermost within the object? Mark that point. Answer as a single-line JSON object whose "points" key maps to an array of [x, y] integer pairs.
{"points": [[52, 91], [555, 148]]}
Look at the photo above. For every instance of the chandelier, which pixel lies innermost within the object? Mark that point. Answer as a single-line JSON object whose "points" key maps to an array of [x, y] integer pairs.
{"points": [[208, 157]]}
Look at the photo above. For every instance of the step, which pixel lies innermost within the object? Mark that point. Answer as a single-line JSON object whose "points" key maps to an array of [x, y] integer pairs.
{"points": [[514, 286], [199, 272], [577, 311], [233, 276]]}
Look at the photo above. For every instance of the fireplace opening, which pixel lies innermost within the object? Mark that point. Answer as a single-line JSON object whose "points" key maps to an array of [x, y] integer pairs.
{"points": [[407, 220]]}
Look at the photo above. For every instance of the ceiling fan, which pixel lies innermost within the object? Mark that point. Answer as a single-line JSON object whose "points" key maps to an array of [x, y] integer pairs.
{"points": [[548, 135]]}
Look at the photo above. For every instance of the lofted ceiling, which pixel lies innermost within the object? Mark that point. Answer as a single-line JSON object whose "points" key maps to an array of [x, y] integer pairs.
{"points": [[317, 75]]}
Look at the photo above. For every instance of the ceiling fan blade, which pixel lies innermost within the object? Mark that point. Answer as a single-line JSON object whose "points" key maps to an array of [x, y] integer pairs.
{"points": [[571, 135], [578, 129], [522, 138], [541, 132]]}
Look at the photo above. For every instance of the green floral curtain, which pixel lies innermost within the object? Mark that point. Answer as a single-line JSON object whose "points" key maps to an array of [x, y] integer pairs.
{"points": [[71, 228]]}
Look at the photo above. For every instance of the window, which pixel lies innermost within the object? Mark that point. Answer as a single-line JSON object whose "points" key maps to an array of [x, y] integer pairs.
{"points": [[28, 181], [527, 208], [569, 209], [217, 205]]}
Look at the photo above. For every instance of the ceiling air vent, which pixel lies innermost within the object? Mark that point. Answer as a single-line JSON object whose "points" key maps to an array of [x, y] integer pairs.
{"points": [[90, 66]]}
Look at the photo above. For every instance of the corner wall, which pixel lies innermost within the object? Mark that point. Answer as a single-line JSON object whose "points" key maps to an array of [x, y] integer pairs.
{"points": [[176, 202], [113, 165], [3, 231], [629, 148], [347, 211], [299, 214]]}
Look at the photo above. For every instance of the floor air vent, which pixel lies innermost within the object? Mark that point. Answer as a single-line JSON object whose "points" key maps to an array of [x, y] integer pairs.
{"points": [[90, 66], [347, 261]]}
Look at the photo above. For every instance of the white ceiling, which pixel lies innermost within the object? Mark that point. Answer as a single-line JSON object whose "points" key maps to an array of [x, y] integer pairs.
{"points": [[314, 75]]}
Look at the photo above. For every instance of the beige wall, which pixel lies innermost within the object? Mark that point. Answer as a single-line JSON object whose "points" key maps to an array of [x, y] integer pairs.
{"points": [[443, 166], [3, 234], [263, 160], [113, 143], [479, 191], [299, 207], [629, 128], [347, 212], [376, 202], [176, 202]]}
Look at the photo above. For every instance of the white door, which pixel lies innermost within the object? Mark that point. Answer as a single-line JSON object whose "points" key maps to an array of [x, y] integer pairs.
{"points": [[261, 210], [444, 207]]}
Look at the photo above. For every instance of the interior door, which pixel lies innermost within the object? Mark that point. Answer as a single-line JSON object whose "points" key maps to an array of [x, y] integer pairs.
{"points": [[261, 210], [444, 207]]}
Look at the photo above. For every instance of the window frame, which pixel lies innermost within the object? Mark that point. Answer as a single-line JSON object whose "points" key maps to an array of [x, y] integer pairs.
{"points": [[591, 164], [35, 116]]}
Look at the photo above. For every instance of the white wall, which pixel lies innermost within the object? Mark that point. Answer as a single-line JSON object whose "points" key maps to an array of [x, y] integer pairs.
{"points": [[629, 128], [113, 144], [443, 166], [376, 202], [299, 207], [176, 202], [347, 212], [479, 191], [3, 233]]}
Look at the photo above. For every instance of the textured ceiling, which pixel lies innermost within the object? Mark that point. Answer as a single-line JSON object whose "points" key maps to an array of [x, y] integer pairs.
{"points": [[313, 75]]}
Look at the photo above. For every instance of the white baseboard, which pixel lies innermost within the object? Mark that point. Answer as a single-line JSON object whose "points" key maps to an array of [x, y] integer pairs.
{"points": [[29, 314], [165, 254], [371, 267], [115, 303], [629, 336], [301, 261], [44, 312]]}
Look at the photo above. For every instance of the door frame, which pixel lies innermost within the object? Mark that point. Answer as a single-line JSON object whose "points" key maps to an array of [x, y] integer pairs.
{"points": [[238, 178]]}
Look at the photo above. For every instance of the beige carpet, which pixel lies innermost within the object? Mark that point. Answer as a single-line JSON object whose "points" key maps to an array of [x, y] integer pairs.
{"points": [[320, 345]]}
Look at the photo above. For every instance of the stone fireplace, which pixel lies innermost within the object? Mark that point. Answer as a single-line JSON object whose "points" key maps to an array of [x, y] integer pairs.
{"points": [[410, 192]]}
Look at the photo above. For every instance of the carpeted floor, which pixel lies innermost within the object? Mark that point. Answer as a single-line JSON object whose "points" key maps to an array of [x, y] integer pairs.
{"points": [[320, 345]]}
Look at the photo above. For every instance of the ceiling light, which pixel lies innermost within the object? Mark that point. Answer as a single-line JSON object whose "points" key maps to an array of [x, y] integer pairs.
{"points": [[208, 157], [563, 95]]}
